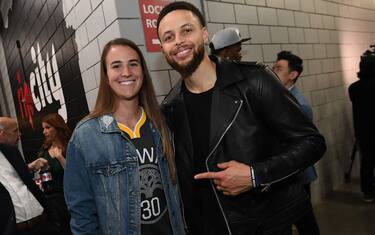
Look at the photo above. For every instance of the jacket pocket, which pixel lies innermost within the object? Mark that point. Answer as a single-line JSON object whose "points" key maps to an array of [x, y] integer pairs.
{"points": [[114, 194], [111, 179], [109, 169]]}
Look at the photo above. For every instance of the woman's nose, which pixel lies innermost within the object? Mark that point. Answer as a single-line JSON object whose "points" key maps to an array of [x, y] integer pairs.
{"points": [[126, 71]]}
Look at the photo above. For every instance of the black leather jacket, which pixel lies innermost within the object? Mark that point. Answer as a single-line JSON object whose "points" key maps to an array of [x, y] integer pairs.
{"points": [[254, 120]]}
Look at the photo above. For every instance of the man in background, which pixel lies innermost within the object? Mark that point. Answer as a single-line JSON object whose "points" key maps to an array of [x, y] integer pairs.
{"points": [[288, 68], [226, 44], [22, 203], [362, 95]]}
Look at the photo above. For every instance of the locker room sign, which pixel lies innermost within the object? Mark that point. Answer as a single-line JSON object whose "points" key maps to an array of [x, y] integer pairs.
{"points": [[150, 10]]}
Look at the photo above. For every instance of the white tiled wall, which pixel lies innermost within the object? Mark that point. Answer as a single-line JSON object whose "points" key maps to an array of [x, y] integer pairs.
{"points": [[329, 35]]}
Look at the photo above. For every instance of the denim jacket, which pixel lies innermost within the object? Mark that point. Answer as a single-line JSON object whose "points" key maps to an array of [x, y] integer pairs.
{"points": [[102, 182]]}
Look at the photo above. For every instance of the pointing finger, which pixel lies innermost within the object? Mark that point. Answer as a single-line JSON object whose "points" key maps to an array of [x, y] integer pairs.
{"points": [[208, 175]]}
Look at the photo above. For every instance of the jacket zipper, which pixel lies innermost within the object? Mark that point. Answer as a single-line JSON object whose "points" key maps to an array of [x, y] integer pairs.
{"points": [[209, 155]]}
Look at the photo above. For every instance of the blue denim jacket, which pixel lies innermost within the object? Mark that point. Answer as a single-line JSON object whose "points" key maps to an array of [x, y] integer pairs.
{"points": [[102, 182]]}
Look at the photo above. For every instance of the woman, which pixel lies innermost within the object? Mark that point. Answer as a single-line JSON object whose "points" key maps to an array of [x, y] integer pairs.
{"points": [[120, 176], [57, 135]]}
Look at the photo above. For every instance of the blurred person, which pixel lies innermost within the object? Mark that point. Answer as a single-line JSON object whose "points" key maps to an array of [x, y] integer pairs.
{"points": [[240, 138], [362, 95], [120, 175], [24, 208], [288, 68], [226, 44], [56, 137]]}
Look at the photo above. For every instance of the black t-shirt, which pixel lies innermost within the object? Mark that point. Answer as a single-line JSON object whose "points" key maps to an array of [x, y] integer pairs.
{"points": [[206, 209], [154, 211]]}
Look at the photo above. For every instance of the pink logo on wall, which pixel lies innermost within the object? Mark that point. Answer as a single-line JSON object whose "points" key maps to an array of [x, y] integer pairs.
{"points": [[150, 10]]}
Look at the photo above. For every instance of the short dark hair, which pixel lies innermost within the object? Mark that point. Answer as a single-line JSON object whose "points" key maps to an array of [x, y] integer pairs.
{"points": [[295, 63], [180, 6]]}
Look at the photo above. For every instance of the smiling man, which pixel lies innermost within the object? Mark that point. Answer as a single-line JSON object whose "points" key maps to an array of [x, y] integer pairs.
{"points": [[240, 138]]}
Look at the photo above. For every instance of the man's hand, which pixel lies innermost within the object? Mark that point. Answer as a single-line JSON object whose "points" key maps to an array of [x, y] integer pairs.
{"points": [[38, 164], [232, 180]]}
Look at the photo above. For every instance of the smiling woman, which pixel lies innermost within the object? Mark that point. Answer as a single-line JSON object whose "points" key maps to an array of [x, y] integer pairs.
{"points": [[124, 71], [122, 153]]}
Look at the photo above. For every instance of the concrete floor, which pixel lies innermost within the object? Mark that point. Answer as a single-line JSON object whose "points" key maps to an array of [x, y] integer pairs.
{"points": [[344, 213]]}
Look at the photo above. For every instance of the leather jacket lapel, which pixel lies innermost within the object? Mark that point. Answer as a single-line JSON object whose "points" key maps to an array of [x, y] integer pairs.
{"points": [[223, 110], [225, 102]]}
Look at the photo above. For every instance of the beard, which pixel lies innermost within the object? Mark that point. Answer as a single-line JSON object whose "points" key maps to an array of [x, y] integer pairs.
{"points": [[189, 68]]}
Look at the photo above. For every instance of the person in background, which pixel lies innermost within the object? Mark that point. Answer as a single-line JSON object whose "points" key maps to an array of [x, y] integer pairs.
{"points": [[56, 137], [240, 137], [226, 44], [120, 175], [288, 68], [362, 95], [24, 208]]}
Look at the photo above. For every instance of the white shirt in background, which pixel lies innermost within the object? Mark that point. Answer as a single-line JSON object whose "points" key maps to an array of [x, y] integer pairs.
{"points": [[25, 204]]}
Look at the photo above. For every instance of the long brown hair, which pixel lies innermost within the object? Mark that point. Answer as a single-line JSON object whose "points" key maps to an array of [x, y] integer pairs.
{"points": [[63, 132], [106, 100]]}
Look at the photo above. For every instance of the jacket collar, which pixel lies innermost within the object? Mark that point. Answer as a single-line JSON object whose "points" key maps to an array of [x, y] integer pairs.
{"points": [[227, 73]]}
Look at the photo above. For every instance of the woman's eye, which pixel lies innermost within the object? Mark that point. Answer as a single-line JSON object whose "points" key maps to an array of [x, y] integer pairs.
{"points": [[115, 66], [134, 64]]}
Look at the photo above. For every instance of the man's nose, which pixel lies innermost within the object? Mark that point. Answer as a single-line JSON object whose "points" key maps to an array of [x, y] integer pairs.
{"points": [[179, 39]]}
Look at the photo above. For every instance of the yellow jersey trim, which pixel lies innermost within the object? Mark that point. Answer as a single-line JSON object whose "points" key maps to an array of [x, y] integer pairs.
{"points": [[136, 133]]}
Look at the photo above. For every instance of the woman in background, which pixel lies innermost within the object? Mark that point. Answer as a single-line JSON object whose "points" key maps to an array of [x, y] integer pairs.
{"points": [[57, 135]]}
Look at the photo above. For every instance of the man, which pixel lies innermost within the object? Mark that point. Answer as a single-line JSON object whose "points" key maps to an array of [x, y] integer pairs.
{"points": [[288, 68], [362, 95], [22, 203], [240, 139], [226, 44]]}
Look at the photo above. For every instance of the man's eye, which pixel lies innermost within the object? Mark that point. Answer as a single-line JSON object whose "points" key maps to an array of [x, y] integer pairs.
{"points": [[167, 38]]}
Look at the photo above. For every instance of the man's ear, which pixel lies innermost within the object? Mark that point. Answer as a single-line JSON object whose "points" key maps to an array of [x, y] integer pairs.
{"points": [[205, 35], [161, 49], [293, 75]]}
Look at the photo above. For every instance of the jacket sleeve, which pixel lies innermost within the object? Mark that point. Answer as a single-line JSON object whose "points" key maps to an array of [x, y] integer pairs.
{"points": [[78, 192], [302, 144]]}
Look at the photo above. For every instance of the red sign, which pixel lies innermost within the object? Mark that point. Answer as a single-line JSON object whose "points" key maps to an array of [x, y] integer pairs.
{"points": [[150, 10]]}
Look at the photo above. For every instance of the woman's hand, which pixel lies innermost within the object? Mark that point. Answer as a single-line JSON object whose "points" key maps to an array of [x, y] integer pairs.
{"points": [[56, 152]]}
